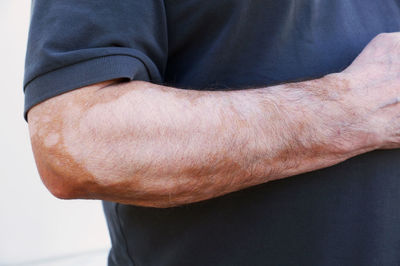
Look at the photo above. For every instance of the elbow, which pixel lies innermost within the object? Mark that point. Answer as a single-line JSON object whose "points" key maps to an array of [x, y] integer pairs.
{"points": [[58, 145], [61, 184], [67, 181], [56, 183], [61, 190], [66, 175], [63, 177]]}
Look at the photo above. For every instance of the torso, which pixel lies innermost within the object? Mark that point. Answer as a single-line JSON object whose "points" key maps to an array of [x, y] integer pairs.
{"points": [[347, 214]]}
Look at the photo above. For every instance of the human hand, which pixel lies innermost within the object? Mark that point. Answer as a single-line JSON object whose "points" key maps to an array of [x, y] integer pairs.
{"points": [[373, 92]]}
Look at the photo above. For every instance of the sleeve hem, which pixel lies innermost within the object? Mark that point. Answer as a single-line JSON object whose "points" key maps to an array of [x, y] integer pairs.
{"points": [[86, 73]]}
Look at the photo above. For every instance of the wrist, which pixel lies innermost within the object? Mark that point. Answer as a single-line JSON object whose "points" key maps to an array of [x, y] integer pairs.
{"points": [[350, 123]]}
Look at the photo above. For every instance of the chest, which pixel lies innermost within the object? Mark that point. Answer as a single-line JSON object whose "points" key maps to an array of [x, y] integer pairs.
{"points": [[268, 41]]}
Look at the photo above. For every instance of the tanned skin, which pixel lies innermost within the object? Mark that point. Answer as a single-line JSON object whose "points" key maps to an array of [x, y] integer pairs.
{"points": [[149, 145]]}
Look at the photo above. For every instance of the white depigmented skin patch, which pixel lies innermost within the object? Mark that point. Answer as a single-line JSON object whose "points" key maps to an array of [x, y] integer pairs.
{"points": [[155, 147], [144, 149], [51, 139], [96, 153]]}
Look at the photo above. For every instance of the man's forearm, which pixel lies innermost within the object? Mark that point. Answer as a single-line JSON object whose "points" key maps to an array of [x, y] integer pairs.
{"points": [[150, 145]]}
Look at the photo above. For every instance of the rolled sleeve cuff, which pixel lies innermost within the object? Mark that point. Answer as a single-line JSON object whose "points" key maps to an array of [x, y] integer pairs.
{"points": [[86, 73]]}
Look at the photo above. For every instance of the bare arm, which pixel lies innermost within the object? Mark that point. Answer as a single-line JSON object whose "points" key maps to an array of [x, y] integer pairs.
{"points": [[150, 145]]}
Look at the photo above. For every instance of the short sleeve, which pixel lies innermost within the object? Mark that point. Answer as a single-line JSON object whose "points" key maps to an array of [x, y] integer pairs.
{"points": [[76, 43]]}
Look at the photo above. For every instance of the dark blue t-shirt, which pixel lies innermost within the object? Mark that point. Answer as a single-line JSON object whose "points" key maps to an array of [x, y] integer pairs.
{"points": [[347, 214]]}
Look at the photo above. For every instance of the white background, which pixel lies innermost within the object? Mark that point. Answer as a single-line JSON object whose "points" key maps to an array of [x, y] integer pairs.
{"points": [[35, 227]]}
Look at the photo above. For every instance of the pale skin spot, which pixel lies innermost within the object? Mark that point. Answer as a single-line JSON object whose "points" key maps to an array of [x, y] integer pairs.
{"points": [[98, 146], [46, 119], [33, 131], [51, 139], [34, 122]]}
